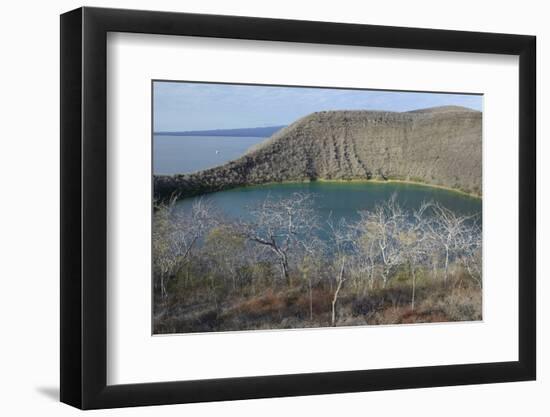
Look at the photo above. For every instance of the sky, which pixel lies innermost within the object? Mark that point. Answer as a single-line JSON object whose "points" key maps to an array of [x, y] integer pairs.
{"points": [[181, 106]]}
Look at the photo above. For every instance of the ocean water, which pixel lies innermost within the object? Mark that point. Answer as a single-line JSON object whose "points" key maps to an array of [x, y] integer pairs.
{"points": [[186, 154]]}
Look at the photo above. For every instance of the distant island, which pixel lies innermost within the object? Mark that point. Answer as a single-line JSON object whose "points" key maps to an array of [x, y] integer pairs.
{"points": [[259, 132], [438, 146]]}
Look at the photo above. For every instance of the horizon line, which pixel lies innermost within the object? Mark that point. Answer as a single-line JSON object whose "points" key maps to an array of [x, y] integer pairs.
{"points": [[189, 132]]}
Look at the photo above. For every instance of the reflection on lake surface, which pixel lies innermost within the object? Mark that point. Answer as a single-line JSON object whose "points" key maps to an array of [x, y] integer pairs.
{"points": [[338, 199]]}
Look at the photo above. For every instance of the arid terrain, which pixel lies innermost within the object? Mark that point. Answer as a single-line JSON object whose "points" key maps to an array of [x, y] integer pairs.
{"points": [[437, 146], [284, 264]]}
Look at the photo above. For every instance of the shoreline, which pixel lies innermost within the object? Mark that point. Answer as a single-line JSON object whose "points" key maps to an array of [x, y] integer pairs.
{"points": [[356, 181], [410, 182], [364, 181]]}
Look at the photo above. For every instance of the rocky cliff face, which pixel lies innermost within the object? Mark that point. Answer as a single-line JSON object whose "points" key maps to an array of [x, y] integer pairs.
{"points": [[439, 146]]}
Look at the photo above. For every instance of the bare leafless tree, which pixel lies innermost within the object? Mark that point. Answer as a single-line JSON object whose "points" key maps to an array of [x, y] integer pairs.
{"points": [[382, 227], [314, 250], [446, 229], [226, 252], [281, 225], [164, 253], [471, 251], [339, 282], [175, 235], [363, 263], [340, 236], [414, 239]]}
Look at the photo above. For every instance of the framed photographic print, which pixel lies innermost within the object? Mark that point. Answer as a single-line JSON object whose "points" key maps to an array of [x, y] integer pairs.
{"points": [[256, 207]]}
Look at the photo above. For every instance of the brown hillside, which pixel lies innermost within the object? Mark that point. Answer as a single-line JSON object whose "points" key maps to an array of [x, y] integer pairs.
{"points": [[439, 146]]}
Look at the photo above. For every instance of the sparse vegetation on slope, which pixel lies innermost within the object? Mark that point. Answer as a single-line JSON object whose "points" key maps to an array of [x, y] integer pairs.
{"points": [[439, 146], [283, 268]]}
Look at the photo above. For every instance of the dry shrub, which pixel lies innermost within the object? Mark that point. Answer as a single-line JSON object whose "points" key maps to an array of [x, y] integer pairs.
{"points": [[320, 299], [266, 304], [198, 320], [430, 316], [463, 305], [391, 315]]}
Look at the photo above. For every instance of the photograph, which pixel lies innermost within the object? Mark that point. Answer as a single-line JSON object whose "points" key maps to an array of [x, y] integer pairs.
{"points": [[286, 207]]}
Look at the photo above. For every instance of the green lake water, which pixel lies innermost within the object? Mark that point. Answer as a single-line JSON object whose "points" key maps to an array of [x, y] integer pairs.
{"points": [[338, 199]]}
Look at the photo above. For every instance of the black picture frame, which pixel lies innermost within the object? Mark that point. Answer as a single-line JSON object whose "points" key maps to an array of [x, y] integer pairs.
{"points": [[84, 207]]}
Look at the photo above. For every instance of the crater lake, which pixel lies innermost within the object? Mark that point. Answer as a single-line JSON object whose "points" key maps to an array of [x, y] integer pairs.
{"points": [[338, 199]]}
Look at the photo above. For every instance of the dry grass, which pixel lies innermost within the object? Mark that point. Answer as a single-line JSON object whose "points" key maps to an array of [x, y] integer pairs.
{"points": [[285, 308]]}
